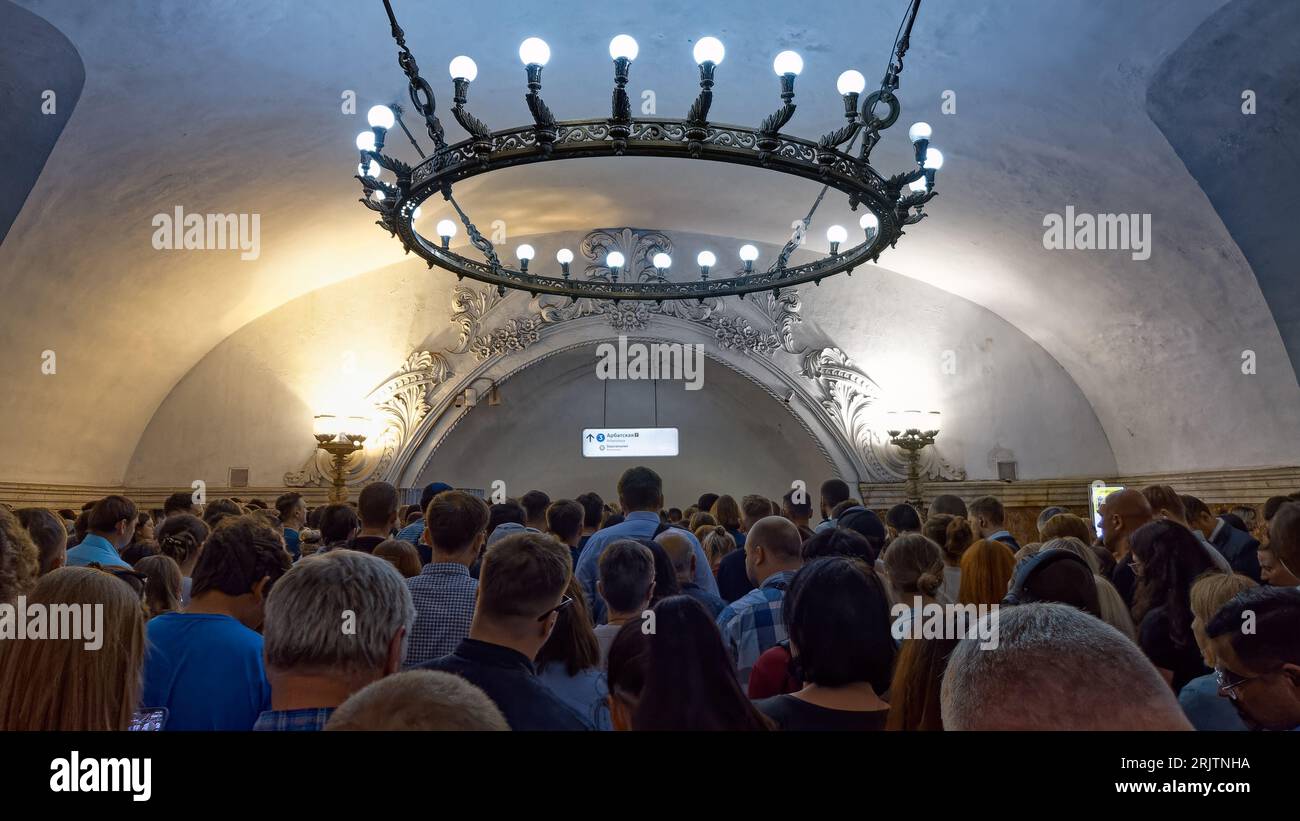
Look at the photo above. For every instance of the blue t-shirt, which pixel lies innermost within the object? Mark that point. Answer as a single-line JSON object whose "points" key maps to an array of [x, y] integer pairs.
{"points": [[206, 670]]}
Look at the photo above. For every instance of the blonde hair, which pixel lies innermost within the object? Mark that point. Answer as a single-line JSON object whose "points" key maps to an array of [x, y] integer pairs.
{"points": [[19, 558], [1208, 595], [716, 541], [59, 684], [914, 564], [701, 520]]}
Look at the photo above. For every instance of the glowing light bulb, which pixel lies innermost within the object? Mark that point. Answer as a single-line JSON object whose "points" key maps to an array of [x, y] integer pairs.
{"points": [[463, 68], [869, 222], [534, 51], [623, 46], [706, 259], [918, 132], [851, 82], [787, 62], [748, 253], [446, 229], [564, 256], [709, 50], [525, 252], [918, 184], [614, 259], [662, 260], [836, 234], [933, 159], [366, 141], [380, 116]]}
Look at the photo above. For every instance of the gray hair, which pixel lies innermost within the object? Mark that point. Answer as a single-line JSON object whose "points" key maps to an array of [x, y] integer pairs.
{"points": [[336, 612], [418, 700], [1055, 668]]}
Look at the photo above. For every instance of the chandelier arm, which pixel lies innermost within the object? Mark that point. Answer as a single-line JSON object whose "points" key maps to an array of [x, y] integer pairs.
{"points": [[477, 239], [421, 92], [476, 127], [397, 113]]}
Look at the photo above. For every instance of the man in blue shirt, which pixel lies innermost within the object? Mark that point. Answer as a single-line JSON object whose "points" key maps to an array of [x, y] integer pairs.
{"points": [[641, 493], [987, 514], [110, 527]]}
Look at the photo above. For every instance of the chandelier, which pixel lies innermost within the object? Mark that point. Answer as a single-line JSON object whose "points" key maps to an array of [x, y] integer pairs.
{"points": [[888, 204]]}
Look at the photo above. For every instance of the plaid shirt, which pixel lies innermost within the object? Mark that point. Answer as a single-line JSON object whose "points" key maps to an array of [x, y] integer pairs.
{"points": [[444, 596], [289, 721], [755, 622]]}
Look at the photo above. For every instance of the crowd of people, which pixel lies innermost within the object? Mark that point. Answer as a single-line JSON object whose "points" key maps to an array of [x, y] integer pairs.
{"points": [[578, 614]]}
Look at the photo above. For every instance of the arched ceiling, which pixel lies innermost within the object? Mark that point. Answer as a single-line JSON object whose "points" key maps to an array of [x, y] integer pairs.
{"points": [[235, 107]]}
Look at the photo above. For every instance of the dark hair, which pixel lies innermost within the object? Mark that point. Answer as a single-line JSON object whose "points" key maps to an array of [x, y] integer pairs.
{"points": [[286, 502], [988, 507], [843, 506], [838, 541], [915, 688], [377, 504], [401, 555], [179, 502], [936, 527], [68, 513], [430, 490], [1234, 521], [257, 503], [1284, 536], [219, 509], [1271, 506], [866, 524], [48, 534], [611, 519], [1164, 497], [1275, 639], [535, 503], [949, 504], [507, 511], [665, 574], [242, 551], [136, 551], [564, 518], [1171, 559], [627, 661], [573, 640], [690, 681], [108, 511], [801, 509], [1195, 507], [834, 491], [674, 514], [627, 569], [706, 501], [162, 586], [522, 575], [837, 612], [337, 522], [592, 508], [640, 488], [455, 519], [903, 517], [82, 525]]}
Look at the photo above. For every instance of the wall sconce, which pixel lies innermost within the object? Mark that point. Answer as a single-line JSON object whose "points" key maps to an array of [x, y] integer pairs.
{"points": [[340, 440]]}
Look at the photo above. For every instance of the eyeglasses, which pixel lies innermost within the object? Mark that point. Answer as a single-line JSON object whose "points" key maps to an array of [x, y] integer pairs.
{"points": [[1230, 682], [564, 602]]}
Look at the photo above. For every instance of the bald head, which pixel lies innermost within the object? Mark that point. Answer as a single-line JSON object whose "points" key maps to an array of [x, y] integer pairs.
{"points": [[1030, 681], [772, 545], [680, 552], [1122, 513]]}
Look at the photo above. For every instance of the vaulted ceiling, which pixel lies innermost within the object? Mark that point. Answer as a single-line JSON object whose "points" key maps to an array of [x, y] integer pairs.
{"points": [[1108, 106]]}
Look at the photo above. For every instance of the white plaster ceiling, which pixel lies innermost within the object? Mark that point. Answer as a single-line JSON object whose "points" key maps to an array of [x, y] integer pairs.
{"points": [[234, 106]]}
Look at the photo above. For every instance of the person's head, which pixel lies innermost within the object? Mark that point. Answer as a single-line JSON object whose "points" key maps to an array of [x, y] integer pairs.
{"points": [[418, 700], [838, 541], [1259, 668], [903, 518], [1122, 513], [401, 555], [837, 613], [1032, 679], [726, 512], [239, 563], [113, 518], [19, 558], [716, 541], [914, 565], [867, 525], [798, 512], [1284, 539], [218, 510], [986, 568], [564, 519], [1065, 526], [181, 537], [456, 524], [377, 506], [958, 536], [1209, 594], [535, 503], [936, 527], [507, 512], [772, 545], [337, 523], [987, 516], [144, 529], [572, 643], [520, 591], [1075, 546], [705, 502], [1199, 516], [702, 519], [1057, 575], [674, 515], [306, 651], [1045, 515], [1271, 506], [78, 681], [640, 488], [626, 665], [430, 490], [162, 586], [626, 578], [918, 678], [689, 679], [950, 505], [1165, 503], [833, 492], [752, 508], [49, 535], [180, 502], [1167, 558], [80, 527], [680, 553]]}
